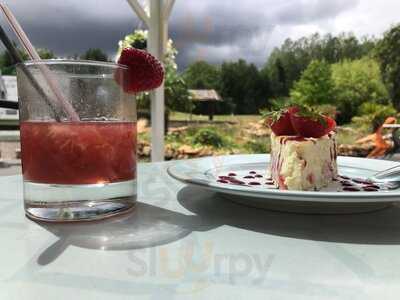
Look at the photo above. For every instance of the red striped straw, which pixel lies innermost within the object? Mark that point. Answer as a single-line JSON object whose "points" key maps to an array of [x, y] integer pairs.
{"points": [[53, 84]]}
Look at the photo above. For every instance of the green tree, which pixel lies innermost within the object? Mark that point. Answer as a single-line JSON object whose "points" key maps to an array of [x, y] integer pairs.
{"points": [[176, 91], [278, 76], [387, 53], [7, 65], [202, 75], [244, 84], [357, 82], [95, 54], [315, 86], [293, 57], [45, 53]]}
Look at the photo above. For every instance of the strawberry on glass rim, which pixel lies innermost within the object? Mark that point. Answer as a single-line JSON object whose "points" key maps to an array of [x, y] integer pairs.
{"points": [[145, 72], [301, 121]]}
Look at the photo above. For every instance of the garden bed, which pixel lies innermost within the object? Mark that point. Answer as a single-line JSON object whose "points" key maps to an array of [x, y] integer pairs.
{"points": [[241, 135]]}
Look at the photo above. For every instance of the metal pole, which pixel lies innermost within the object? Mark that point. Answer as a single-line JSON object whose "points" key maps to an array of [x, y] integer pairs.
{"points": [[157, 24], [140, 12], [156, 47]]}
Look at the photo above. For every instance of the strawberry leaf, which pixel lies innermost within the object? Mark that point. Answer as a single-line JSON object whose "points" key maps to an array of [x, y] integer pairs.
{"points": [[312, 114], [274, 115]]}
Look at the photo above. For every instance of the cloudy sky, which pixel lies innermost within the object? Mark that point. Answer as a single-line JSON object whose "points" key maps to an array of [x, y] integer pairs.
{"points": [[212, 30]]}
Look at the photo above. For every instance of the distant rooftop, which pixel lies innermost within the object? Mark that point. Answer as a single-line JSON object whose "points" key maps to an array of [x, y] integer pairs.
{"points": [[204, 95]]}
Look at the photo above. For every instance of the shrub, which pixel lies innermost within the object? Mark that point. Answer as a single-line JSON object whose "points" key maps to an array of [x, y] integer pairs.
{"points": [[327, 110], [315, 86], [209, 137], [174, 137], [258, 146], [372, 115], [357, 82]]}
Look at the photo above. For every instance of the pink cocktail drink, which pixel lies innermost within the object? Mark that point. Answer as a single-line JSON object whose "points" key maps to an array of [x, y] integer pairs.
{"points": [[83, 167], [78, 152]]}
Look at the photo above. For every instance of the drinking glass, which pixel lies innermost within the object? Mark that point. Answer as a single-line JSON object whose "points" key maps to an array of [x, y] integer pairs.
{"points": [[76, 170]]}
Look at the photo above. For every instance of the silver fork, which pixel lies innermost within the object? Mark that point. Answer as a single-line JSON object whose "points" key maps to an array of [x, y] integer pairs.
{"points": [[390, 177]]}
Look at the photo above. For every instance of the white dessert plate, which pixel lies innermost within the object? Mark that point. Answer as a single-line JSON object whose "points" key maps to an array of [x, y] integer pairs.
{"points": [[244, 179]]}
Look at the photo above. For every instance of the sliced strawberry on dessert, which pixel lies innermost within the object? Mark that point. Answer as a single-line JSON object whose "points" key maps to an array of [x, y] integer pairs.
{"points": [[144, 73], [308, 123], [279, 122], [331, 124]]}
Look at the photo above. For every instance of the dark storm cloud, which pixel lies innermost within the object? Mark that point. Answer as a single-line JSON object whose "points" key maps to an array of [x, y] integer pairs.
{"points": [[299, 12], [207, 29], [71, 27], [68, 41], [198, 31], [219, 30]]}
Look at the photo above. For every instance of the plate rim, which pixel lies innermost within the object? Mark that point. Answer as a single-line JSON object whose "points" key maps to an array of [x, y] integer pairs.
{"points": [[350, 197]]}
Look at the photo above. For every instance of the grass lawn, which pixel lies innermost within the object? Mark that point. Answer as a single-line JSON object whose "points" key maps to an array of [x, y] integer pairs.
{"points": [[180, 116], [235, 132], [241, 137]]}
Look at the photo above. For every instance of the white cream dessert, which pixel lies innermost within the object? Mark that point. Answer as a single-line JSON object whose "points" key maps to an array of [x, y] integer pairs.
{"points": [[303, 163], [303, 148]]}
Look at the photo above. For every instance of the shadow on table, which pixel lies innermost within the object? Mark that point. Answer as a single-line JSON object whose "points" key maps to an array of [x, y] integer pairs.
{"points": [[380, 227], [150, 226], [147, 226]]}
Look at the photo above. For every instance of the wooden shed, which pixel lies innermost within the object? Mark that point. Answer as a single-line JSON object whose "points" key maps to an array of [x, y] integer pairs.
{"points": [[209, 97]]}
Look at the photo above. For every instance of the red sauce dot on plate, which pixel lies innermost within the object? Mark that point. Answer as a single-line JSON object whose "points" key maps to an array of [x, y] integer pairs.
{"points": [[248, 177], [372, 186], [235, 181], [252, 172], [350, 189], [258, 176], [254, 183], [269, 183], [232, 174], [222, 181], [362, 181], [369, 189]]}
